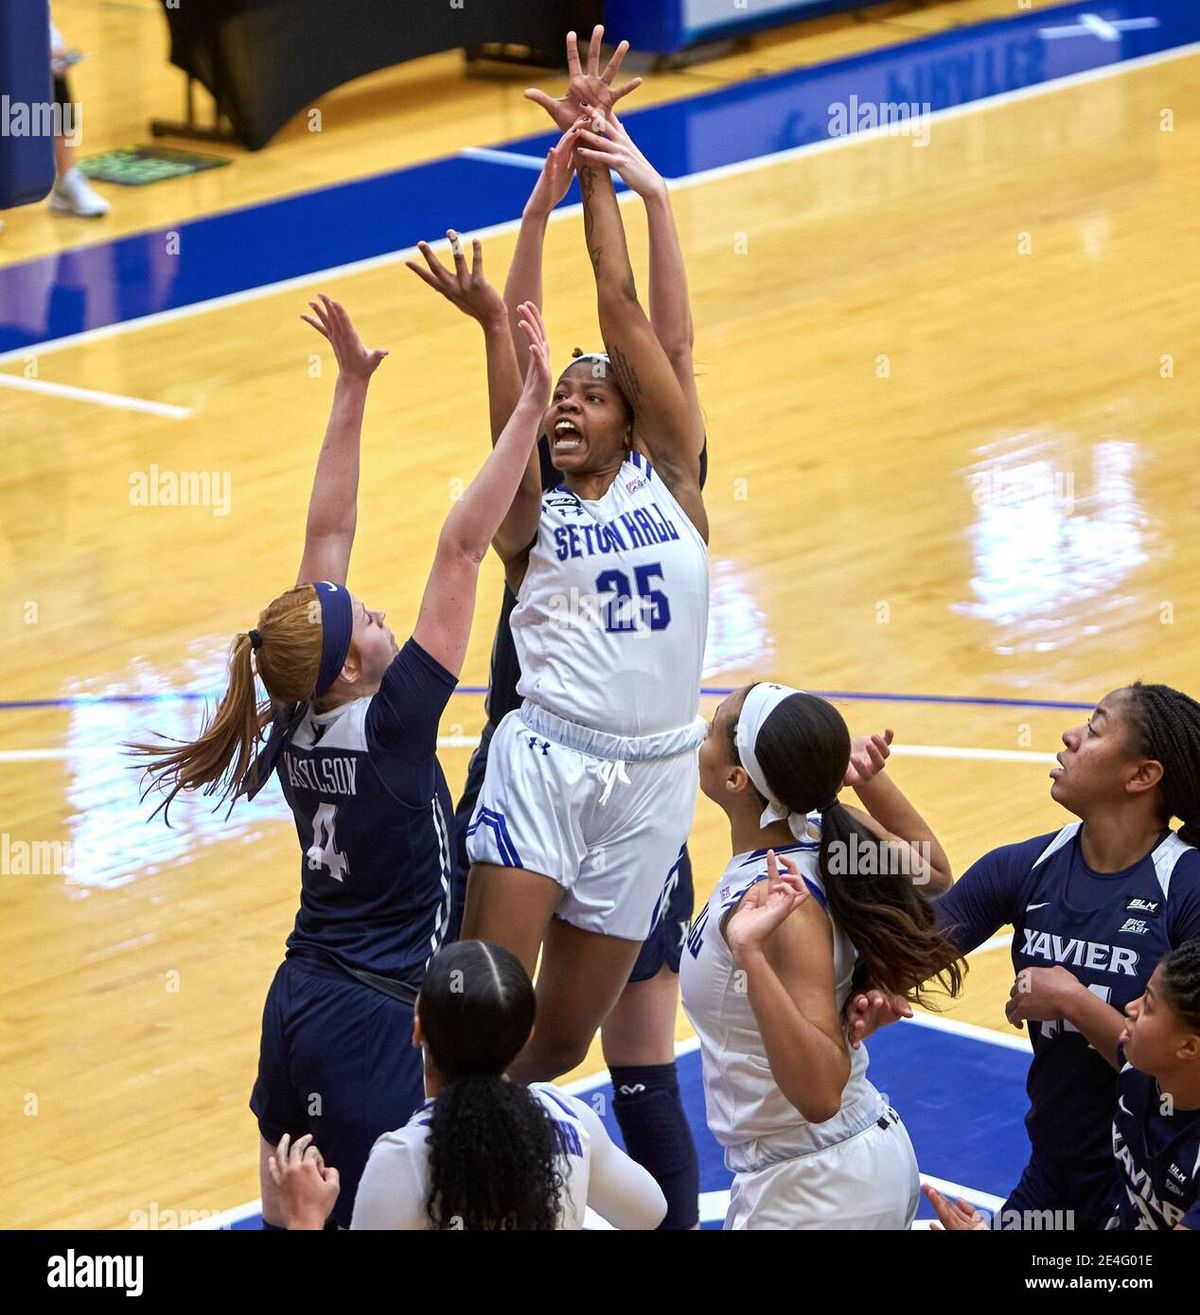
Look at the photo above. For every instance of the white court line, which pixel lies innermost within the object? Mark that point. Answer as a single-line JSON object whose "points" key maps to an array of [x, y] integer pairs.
{"points": [[977, 755], [971, 1031], [489, 156], [470, 741], [74, 394], [624, 198]]}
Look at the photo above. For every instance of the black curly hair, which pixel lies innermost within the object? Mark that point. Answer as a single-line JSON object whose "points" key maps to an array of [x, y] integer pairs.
{"points": [[492, 1145], [1181, 982], [1166, 727]]}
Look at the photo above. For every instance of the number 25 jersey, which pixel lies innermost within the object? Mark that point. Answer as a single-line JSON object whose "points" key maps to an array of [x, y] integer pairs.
{"points": [[612, 614]]}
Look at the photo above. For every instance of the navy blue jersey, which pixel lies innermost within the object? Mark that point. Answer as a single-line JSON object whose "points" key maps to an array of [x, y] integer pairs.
{"points": [[372, 808], [502, 697], [1158, 1156], [1109, 929]]}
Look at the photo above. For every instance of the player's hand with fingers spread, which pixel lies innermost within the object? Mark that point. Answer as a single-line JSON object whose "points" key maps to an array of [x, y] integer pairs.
{"points": [[467, 289], [868, 1011], [1040, 994], [764, 907], [956, 1216], [615, 149], [355, 362], [587, 90], [308, 1187], [868, 756]]}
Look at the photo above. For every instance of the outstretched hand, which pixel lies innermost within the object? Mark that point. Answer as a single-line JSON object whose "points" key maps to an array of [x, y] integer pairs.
{"points": [[613, 148], [354, 360], [765, 906], [537, 377], [465, 288], [557, 172], [590, 90]]}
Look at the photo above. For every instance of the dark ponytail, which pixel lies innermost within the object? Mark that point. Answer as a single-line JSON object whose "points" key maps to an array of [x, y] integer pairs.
{"points": [[492, 1145], [1181, 982], [803, 749], [1166, 726]]}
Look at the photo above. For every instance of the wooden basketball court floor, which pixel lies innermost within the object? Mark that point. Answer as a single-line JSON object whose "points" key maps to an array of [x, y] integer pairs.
{"points": [[951, 399]]}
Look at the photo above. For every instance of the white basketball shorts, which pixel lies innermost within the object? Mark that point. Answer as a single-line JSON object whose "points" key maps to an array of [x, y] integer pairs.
{"points": [[868, 1181], [604, 816]]}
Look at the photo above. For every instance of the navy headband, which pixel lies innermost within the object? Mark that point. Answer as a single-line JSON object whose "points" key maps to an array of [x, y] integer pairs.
{"points": [[337, 625]]}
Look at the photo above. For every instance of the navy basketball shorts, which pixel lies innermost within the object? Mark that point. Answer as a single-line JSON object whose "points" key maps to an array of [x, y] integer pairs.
{"points": [[663, 946], [336, 1060], [1061, 1194]]}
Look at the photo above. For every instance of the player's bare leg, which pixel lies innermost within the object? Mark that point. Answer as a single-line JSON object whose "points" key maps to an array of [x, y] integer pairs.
{"points": [[510, 906], [581, 978], [640, 1029]]}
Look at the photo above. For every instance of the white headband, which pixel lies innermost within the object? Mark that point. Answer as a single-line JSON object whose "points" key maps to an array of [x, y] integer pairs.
{"points": [[760, 703]]}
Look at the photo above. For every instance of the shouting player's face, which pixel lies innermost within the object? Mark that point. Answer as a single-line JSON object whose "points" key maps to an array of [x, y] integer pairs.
{"points": [[1099, 767], [587, 423]]}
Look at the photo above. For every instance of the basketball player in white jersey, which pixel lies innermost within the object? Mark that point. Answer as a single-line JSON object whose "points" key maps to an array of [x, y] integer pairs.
{"points": [[768, 967], [482, 1152], [590, 785]]}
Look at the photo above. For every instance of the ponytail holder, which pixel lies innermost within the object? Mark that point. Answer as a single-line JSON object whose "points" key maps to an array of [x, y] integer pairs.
{"points": [[831, 802], [255, 639]]}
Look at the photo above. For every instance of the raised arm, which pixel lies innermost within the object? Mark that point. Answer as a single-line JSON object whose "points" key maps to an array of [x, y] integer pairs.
{"points": [[670, 307], [890, 815], [444, 621], [333, 503], [663, 423], [782, 942], [524, 281], [470, 291]]}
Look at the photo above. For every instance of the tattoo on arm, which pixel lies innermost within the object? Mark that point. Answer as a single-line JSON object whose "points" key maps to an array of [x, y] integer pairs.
{"points": [[627, 379]]}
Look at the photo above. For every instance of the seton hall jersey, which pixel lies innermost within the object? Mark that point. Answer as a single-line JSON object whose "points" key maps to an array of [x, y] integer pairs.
{"points": [[612, 614], [1158, 1156], [371, 808], [1109, 929], [742, 1099]]}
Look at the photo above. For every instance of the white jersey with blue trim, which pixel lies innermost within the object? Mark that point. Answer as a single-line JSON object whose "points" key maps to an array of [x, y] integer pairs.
{"points": [[742, 1099], [596, 1173], [612, 614]]}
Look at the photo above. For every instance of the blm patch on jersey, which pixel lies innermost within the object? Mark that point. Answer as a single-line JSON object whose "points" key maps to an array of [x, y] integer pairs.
{"points": [[1148, 908]]}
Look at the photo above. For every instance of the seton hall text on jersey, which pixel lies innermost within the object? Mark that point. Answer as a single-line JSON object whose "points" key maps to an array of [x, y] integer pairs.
{"points": [[324, 775], [1084, 954], [643, 527]]}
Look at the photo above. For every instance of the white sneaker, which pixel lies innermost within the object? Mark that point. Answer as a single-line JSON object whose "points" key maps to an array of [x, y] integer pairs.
{"points": [[73, 194]]}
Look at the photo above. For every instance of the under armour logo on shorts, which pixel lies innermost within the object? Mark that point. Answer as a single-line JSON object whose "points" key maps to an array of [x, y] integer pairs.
{"points": [[534, 743]]}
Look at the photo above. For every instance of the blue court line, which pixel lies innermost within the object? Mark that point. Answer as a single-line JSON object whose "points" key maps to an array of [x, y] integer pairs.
{"points": [[201, 696], [93, 286]]}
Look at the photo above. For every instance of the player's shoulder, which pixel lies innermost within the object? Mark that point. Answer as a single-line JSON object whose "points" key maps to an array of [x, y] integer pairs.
{"points": [[559, 1102], [1021, 856]]}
